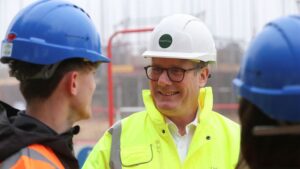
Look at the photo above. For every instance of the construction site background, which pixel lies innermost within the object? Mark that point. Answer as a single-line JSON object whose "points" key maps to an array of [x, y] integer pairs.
{"points": [[233, 23]]}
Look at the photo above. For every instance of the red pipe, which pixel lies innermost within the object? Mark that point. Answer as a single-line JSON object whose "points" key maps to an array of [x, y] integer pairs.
{"points": [[109, 70]]}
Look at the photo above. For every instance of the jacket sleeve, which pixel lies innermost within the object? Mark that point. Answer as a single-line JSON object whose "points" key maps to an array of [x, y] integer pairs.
{"points": [[100, 155]]}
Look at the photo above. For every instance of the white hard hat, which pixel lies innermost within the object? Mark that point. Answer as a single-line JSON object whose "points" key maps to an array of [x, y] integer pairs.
{"points": [[182, 36]]}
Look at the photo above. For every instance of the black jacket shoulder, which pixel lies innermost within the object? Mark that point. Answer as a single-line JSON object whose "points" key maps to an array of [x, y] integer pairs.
{"points": [[16, 125]]}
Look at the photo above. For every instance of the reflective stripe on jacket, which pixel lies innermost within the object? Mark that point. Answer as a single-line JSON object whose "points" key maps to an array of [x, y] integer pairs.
{"points": [[33, 157], [146, 143]]}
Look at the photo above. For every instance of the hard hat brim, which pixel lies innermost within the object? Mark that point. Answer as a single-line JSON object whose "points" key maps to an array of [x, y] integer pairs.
{"points": [[47, 58], [266, 98], [205, 57]]}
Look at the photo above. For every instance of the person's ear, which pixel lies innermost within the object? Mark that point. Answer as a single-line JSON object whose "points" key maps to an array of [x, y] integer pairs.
{"points": [[204, 74], [72, 82]]}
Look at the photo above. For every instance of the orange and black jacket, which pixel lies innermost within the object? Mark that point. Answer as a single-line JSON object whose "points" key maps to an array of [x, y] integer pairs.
{"points": [[25, 142]]}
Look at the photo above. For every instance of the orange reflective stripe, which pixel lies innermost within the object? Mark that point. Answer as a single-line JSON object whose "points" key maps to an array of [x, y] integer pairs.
{"points": [[27, 162], [33, 157], [48, 153]]}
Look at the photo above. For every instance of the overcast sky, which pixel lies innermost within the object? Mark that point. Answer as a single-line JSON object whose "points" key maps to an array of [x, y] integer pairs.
{"points": [[227, 19]]}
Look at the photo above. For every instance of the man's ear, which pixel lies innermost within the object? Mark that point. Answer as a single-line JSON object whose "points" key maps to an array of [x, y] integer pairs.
{"points": [[72, 82], [204, 73]]}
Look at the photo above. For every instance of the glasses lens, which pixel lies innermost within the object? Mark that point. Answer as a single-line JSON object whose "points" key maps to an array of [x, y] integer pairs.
{"points": [[153, 73], [176, 74]]}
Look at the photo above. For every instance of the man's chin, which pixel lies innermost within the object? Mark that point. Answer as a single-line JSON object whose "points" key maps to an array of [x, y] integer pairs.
{"points": [[166, 108], [84, 115]]}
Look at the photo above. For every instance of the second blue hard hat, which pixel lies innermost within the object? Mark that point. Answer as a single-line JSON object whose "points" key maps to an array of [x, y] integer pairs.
{"points": [[269, 76]]}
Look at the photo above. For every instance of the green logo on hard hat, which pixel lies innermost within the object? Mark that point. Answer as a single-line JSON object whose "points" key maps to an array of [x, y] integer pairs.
{"points": [[165, 41]]}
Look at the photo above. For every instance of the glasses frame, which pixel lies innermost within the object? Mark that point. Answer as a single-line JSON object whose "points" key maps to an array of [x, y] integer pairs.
{"points": [[168, 72]]}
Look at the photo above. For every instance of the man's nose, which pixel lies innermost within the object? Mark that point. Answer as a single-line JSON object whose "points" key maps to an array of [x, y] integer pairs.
{"points": [[164, 78]]}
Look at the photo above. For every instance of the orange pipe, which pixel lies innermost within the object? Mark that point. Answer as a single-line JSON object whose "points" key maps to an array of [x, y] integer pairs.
{"points": [[111, 110]]}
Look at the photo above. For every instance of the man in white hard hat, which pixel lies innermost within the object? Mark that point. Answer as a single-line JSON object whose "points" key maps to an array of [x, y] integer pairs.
{"points": [[178, 128]]}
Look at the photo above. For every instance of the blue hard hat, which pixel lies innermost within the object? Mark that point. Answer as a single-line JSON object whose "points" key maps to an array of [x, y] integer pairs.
{"points": [[269, 76], [50, 31]]}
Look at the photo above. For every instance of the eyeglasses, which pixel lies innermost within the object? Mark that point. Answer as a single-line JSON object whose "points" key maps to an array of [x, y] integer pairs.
{"points": [[175, 74]]}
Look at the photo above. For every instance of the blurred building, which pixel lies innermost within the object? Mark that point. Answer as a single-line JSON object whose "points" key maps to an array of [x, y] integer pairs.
{"points": [[233, 23]]}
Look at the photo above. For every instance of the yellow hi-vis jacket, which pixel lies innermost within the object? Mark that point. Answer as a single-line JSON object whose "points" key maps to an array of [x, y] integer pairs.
{"points": [[143, 141]]}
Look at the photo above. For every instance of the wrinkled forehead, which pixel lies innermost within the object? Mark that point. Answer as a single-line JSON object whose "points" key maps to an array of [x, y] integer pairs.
{"points": [[172, 61]]}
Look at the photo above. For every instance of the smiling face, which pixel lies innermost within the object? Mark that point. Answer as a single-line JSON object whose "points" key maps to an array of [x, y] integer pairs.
{"points": [[177, 99]]}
